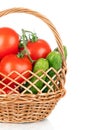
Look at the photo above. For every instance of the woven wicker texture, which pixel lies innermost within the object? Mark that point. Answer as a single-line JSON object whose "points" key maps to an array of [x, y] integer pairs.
{"points": [[18, 107]]}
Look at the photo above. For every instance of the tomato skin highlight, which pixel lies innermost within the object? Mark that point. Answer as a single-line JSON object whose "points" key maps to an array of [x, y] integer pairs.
{"points": [[13, 63], [9, 41], [38, 49]]}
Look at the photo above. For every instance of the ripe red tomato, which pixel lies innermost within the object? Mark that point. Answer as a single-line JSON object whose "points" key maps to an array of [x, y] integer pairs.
{"points": [[13, 63], [38, 49], [9, 41], [6, 90]]}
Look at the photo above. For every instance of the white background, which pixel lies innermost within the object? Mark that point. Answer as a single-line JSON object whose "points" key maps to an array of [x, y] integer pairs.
{"points": [[79, 23]]}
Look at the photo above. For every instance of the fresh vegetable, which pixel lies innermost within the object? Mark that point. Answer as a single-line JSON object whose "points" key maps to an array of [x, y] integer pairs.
{"points": [[65, 51], [41, 65], [13, 63], [9, 41], [55, 61], [37, 48]]}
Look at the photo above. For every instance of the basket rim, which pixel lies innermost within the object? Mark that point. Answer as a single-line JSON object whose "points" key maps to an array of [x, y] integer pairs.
{"points": [[27, 98]]}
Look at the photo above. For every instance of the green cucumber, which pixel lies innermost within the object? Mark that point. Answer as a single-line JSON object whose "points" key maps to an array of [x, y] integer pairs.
{"points": [[55, 61], [41, 64]]}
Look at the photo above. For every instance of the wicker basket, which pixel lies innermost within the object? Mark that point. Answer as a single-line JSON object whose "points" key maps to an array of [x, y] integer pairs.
{"points": [[18, 107]]}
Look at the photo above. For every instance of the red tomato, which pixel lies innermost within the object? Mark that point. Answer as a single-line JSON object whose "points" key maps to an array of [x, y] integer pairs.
{"points": [[13, 63], [6, 90], [38, 49], [9, 41]]}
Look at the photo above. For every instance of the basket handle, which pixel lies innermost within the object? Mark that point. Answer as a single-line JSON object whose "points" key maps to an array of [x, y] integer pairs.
{"points": [[44, 19]]}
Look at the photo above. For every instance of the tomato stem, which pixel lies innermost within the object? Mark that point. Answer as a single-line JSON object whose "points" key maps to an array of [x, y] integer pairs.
{"points": [[32, 36], [20, 55], [24, 41]]}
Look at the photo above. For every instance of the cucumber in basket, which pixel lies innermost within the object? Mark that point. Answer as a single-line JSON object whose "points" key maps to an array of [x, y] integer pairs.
{"points": [[40, 66], [55, 61]]}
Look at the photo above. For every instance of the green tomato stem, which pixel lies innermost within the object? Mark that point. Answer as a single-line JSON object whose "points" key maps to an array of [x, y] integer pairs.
{"points": [[24, 42], [33, 37]]}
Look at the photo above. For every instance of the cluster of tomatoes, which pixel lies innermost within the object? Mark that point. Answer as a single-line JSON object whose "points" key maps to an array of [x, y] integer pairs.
{"points": [[17, 53]]}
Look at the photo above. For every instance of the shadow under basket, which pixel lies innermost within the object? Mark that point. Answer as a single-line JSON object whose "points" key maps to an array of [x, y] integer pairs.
{"points": [[26, 102]]}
